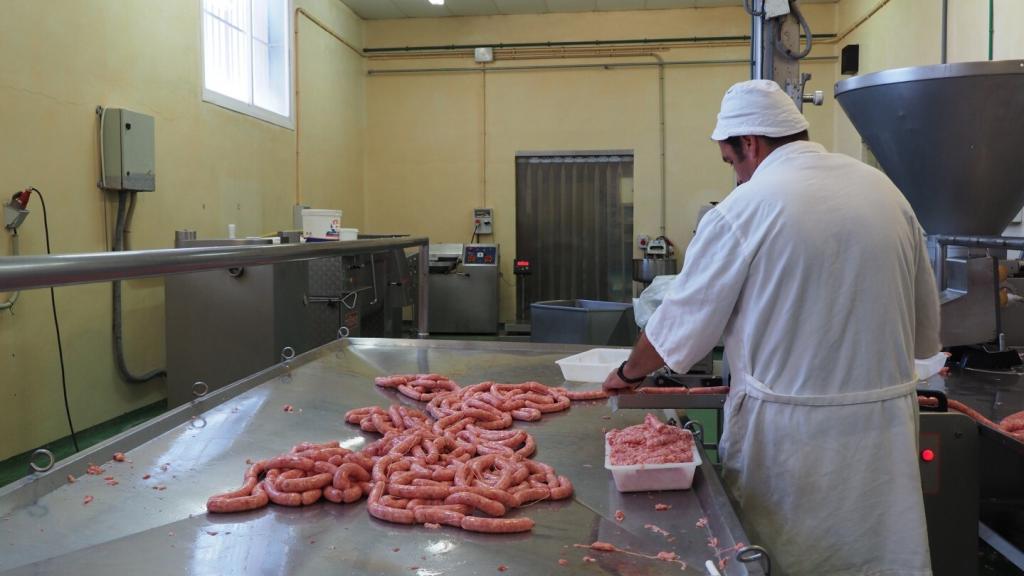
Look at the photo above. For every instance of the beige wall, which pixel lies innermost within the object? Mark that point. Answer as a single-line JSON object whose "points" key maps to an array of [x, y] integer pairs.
{"points": [[436, 139], [60, 60]]}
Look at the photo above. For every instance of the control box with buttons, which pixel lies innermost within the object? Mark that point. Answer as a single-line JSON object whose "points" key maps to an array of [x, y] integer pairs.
{"points": [[483, 221], [521, 267], [485, 254]]}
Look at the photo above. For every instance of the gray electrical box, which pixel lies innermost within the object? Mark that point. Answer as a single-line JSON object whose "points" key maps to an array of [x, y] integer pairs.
{"points": [[127, 141]]}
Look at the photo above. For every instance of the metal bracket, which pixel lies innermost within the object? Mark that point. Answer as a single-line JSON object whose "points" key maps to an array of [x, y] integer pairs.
{"points": [[696, 428], [287, 353], [200, 388], [749, 554], [51, 459]]}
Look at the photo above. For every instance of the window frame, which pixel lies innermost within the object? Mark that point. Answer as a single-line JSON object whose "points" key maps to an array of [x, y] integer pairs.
{"points": [[235, 105]]}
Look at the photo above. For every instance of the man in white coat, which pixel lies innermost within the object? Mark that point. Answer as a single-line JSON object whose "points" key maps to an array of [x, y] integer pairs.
{"points": [[816, 272]]}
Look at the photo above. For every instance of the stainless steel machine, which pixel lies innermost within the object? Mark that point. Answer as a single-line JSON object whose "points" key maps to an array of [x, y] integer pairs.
{"points": [[464, 284], [946, 135], [225, 324]]}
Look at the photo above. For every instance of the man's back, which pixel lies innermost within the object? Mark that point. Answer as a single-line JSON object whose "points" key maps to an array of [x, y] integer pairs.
{"points": [[837, 257], [815, 272]]}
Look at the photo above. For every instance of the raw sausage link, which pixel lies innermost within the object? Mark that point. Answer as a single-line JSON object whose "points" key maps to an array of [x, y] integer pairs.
{"points": [[435, 515], [305, 484], [497, 525], [258, 499]]}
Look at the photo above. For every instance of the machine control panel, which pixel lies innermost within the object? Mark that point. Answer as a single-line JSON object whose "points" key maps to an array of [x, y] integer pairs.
{"points": [[521, 267], [481, 254]]}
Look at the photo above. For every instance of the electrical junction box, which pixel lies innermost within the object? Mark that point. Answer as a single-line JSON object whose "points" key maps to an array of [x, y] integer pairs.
{"points": [[483, 54], [483, 221], [127, 147]]}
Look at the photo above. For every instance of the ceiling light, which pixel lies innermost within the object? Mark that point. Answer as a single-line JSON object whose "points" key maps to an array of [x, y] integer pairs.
{"points": [[437, 2]]}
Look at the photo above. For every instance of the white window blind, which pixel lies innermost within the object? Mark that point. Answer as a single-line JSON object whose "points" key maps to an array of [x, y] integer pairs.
{"points": [[246, 57]]}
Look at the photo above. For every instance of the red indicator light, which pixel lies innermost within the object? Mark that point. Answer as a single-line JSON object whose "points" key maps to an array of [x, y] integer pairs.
{"points": [[522, 262], [927, 455]]}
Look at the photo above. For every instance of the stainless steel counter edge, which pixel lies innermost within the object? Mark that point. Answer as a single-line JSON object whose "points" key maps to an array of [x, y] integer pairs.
{"points": [[26, 272], [31, 487]]}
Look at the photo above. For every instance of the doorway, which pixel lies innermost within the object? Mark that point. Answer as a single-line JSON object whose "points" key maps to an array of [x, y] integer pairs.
{"points": [[574, 223]]}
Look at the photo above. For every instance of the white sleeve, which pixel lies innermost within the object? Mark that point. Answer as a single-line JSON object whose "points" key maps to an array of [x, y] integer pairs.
{"points": [[700, 302], [926, 305]]}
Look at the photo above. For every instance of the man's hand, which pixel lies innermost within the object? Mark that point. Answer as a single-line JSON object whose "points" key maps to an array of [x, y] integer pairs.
{"points": [[644, 359], [613, 384]]}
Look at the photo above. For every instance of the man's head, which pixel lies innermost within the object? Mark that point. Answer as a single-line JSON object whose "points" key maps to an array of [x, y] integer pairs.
{"points": [[756, 118]]}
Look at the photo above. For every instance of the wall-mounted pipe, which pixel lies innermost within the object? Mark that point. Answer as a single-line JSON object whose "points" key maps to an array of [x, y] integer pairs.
{"points": [[538, 53], [12, 299], [602, 65], [991, 26], [661, 142], [945, 30], [842, 35], [559, 43]]}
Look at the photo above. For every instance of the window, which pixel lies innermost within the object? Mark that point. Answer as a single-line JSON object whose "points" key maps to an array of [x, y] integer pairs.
{"points": [[246, 57]]}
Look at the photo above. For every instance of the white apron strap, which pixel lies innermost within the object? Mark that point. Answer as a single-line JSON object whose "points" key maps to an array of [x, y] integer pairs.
{"points": [[758, 390]]}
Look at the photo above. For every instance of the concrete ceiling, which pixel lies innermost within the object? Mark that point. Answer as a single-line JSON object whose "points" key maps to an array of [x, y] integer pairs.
{"points": [[378, 9]]}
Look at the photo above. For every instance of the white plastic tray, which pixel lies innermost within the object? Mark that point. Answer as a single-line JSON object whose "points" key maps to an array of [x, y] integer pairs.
{"points": [[647, 477], [593, 365]]}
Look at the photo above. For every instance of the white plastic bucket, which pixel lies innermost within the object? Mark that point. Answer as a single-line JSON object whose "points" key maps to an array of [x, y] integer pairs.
{"points": [[319, 223]]}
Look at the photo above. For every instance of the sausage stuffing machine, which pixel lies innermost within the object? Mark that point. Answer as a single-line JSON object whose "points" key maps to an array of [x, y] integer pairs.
{"points": [[946, 135]]}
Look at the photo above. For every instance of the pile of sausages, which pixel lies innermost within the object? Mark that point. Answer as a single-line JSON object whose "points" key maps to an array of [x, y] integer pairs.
{"points": [[466, 458], [300, 478], [462, 465]]}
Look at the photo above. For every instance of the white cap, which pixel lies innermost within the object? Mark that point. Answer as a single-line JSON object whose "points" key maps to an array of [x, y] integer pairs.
{"points": [[758, 108]]}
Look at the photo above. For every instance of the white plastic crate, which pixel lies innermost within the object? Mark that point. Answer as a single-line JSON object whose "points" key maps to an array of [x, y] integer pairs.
{"points": [[648, 477], [592, 365]]}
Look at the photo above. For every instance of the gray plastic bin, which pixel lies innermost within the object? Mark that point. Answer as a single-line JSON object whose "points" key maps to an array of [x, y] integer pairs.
{"points": [[583, 322]]}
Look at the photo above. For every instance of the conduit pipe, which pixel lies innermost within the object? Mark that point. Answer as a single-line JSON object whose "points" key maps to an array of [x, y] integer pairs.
{"points": [[13, 298], [601, 65], [554, 44], [661, 143]]}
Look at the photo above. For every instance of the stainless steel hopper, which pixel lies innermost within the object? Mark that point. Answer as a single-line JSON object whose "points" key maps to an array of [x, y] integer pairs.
{"points": [[949, 136]]}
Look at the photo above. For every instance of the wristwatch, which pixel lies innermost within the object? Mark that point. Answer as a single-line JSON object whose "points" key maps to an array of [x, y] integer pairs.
{"points": [[622, 375]]}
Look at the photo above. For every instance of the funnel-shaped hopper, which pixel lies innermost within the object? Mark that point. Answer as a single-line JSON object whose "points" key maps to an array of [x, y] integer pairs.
{"points": [[950, 137]]}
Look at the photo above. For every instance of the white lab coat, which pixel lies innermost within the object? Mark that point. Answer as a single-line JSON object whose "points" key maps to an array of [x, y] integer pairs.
{"points": [[817, 274]]}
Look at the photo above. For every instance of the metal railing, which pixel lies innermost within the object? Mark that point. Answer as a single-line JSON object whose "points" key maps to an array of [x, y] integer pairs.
{"points": [[27, 272]]}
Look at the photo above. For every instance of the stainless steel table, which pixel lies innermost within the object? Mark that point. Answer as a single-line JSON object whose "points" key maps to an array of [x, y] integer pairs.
{"points": [[159, 525]]}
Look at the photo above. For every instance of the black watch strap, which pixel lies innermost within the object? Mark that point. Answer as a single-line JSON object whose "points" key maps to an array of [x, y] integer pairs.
{"points": [[622, 375]]}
